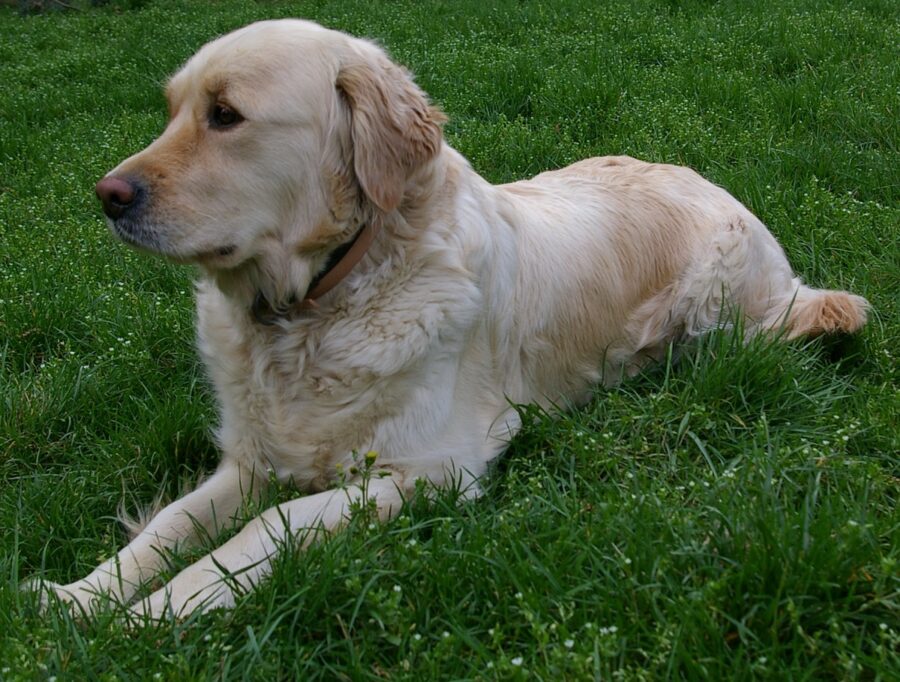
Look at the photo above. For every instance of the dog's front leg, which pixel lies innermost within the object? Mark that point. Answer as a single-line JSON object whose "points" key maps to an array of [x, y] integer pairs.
{"points": [[204, 511], [246, 558]]}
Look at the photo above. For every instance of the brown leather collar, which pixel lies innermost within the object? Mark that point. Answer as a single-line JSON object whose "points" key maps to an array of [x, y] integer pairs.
{"points": [[340, 262]]}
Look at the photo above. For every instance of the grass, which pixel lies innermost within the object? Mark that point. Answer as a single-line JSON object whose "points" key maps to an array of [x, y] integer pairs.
{"points": [[732, 516]]}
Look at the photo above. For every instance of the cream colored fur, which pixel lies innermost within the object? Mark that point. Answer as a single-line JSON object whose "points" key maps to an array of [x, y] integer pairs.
{"points": [[474, 297]]}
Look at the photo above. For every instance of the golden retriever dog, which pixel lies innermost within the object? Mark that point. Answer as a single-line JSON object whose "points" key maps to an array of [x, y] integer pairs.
{"points": [[363, 290]]}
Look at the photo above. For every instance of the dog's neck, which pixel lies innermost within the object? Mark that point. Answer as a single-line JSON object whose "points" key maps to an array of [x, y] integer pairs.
{"points": [[261, 287], [339, 264]]}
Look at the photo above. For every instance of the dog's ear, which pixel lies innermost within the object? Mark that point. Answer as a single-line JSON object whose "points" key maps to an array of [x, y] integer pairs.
{"points": [[393, 127]]}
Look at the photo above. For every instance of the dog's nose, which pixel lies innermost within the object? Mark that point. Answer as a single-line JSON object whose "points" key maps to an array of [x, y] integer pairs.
{"points": [[116, 195]]}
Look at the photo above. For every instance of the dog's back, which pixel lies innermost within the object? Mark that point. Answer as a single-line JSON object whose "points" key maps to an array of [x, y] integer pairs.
{"points": [[619, 257]]}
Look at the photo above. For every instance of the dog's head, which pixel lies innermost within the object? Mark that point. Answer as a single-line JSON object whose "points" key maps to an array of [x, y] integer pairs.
{"points": [[282, 138]]}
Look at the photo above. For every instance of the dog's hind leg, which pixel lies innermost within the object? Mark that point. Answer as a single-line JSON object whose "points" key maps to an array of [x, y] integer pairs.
{"points": [[736, 270], [742, 270], [774, 300]]}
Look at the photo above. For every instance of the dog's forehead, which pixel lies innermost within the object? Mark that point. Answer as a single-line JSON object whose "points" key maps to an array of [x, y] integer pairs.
{"points": [[257, 55]]}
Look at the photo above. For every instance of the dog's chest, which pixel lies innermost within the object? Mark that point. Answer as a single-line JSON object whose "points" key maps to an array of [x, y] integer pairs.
{"points": [[299, 399]]}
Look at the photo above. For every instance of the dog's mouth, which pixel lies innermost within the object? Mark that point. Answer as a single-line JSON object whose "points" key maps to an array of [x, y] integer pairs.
{"points": [[139, 236]]}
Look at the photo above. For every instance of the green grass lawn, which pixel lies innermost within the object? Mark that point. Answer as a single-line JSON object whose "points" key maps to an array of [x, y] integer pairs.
{"points": [[732, 516]]}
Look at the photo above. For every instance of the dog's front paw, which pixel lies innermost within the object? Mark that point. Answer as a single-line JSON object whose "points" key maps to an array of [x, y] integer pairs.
{"points": [[81, 597]]}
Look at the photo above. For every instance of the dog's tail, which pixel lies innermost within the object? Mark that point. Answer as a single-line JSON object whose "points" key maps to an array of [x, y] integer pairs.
{"points": [[813, 312]]}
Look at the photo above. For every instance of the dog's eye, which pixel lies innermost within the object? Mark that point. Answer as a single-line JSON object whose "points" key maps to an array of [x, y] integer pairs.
{"points": [[224, 117]]}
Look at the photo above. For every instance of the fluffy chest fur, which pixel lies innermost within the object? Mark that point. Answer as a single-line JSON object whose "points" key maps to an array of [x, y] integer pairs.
{"points": [[301, 397]]}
